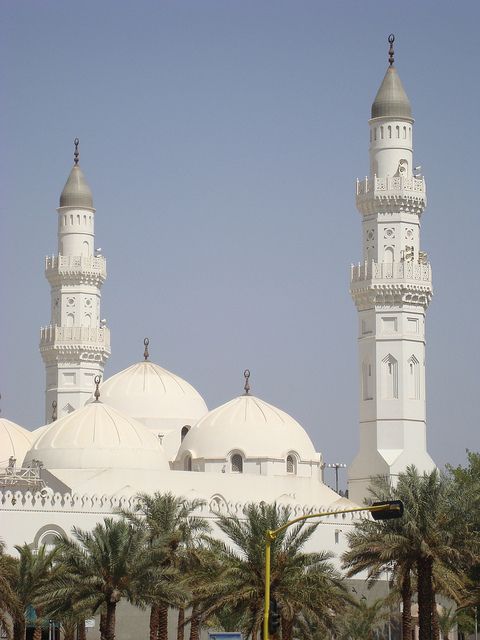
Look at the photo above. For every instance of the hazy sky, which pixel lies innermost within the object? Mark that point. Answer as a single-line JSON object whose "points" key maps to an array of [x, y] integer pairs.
{"points": [[221, 140]]}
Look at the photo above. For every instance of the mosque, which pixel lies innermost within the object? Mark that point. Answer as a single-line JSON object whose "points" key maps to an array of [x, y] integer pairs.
{"points": [[145, 429]]}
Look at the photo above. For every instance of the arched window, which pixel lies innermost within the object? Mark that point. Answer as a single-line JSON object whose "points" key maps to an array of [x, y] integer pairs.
{"points": [[398, 131], [291, 464], [389, 131], [413, 377], [237, 463], [184, 432], [381, 133], [187, 463]]}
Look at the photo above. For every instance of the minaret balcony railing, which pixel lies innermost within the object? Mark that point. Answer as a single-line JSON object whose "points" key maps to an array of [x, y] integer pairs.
{"points": [[393, 185], [392, 271], [53, 336], [71, 265]]}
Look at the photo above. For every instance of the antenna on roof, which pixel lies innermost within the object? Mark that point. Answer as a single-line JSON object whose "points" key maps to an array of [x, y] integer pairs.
{"points": [[97, 380], [246, 375], [54, 410], [391, 53], [146, 342]]}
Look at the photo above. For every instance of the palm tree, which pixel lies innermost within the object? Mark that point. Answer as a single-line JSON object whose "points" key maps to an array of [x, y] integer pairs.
{"points": [[98, 569], [305, 585], [363, 621], [173, 531], [432, 540], [33, 571], [10, 606]]}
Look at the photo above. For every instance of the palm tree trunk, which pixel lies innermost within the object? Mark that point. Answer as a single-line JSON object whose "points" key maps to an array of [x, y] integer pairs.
{"points": [[287, 629], [407, 607], [180, 623], [81, 631], [103, 625], [154, 621], [435, 625], [19, 629], [425, 590], [163, 622], [37, 633], [68, 631], [110, 621], [195, 623]]}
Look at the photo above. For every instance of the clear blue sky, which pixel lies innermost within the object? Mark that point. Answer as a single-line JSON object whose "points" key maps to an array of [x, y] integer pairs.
{"points": [[221, 140]]}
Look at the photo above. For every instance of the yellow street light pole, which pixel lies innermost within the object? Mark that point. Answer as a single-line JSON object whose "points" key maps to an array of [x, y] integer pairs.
{"points": [[379, 510]]}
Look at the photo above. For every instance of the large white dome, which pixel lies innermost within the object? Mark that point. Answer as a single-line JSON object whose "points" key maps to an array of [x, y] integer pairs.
{"points": [[98, 437], [15, 441], [251, 426], [151, 394]]}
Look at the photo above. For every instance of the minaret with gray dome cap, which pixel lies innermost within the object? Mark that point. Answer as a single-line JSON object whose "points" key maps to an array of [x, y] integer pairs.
{"points": [[76, 344], [391, 288]]}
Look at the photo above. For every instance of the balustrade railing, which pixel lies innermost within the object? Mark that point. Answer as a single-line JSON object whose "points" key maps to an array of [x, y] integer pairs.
{"points": [[75, 263], [396, 184], [391, 271], [74, 335]]}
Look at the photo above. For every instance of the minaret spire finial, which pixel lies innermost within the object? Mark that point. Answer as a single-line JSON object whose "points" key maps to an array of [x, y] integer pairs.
{"points": [[246, 375], [76, 154], [97, 380], [146, 354], [54, 410], [391, 53]]}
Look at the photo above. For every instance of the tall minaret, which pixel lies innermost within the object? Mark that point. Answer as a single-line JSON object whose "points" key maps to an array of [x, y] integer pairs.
{"points": [[391, 289], [76, 344]]}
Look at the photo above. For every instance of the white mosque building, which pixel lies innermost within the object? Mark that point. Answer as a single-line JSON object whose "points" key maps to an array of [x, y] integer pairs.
{"points": [[145, 429]]}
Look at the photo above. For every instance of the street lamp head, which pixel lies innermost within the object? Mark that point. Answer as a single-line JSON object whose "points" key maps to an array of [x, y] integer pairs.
{"points": [[386, 510]]}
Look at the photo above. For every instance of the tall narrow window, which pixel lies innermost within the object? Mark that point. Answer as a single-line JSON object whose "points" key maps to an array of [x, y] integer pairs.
{"points": [[366, 380], [413, 378], [291, 464], [389, 377], [237, 463]]}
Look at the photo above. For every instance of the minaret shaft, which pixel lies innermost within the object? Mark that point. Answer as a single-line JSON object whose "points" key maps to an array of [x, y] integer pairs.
{"points": [[75, 345], [391, 289]]}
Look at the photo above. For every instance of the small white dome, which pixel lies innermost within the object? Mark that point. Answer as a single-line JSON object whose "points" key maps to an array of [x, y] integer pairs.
{"points": [[150, 393], [15, 441], [97, 437], [251, 426]]}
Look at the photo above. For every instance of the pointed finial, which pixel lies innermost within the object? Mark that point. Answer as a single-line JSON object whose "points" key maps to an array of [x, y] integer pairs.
{"points": [[54, 410], [246, 375], [146, 342], [97, 390], [391, 53], [76, 154]]}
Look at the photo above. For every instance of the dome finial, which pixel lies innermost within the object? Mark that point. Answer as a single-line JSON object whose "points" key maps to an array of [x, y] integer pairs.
{"points": [[391, 53], [76, 153], [97, 380], [246, 375], [54, 410], [146, 354]]}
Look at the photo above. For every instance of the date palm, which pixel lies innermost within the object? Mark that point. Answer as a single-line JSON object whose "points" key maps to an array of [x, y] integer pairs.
{"points": [[10, 606], [432, 542], [305, 585], [98, 569], [173, 531]]}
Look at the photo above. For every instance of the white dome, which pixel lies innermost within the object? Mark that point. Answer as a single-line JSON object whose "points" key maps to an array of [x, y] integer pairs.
{"points": [[150, 393], [248, 425], [97, 437], [14, 441]]}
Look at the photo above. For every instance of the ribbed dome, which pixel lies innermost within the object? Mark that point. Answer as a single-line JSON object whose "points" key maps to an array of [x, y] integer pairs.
{"points": [[251, 426], [14, 441], [76, 192], [391, 100], [98, 437], [147, 391]]}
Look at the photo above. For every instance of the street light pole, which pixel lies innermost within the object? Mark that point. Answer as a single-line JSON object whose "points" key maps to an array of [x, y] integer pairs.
{"points": [[379, 510], [336, 466]]}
